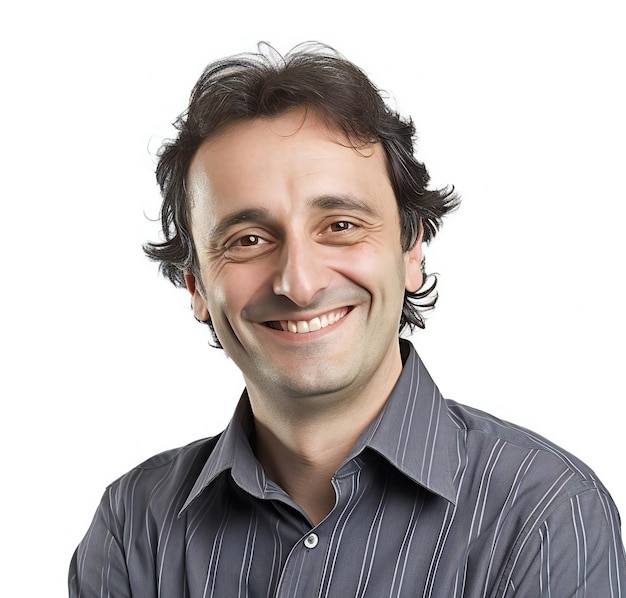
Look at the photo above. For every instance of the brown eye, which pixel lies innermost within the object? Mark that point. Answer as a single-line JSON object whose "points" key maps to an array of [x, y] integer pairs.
{"points": [[249, 240], [341, 226]]}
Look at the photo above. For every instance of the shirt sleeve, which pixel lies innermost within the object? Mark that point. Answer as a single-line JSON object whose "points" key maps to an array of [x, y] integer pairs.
{"points": [[576, 552], [98, 567]]}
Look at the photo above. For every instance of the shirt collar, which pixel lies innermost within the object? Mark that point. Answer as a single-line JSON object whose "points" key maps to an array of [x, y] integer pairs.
{"points": [[233, 452], [413, 433]]}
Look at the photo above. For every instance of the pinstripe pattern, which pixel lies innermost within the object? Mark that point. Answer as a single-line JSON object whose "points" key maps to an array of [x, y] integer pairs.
{"points": [[436, 499]]}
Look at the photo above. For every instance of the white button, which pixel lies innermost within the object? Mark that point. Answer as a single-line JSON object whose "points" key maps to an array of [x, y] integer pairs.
{"points": [[311, 541]]}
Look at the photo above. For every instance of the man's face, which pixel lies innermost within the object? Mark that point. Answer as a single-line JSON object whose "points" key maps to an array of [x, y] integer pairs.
{"points": [[298, 244]]}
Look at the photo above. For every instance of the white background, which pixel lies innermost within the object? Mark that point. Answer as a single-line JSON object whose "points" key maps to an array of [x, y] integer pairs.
{"points": [[520, 105]]}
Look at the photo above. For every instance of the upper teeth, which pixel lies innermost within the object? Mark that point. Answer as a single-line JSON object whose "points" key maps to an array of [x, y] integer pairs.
{"points": [[303, 326]]}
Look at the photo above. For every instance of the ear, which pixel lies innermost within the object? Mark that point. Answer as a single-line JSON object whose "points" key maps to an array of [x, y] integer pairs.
{"points": [[414, 276], [198, 302]]}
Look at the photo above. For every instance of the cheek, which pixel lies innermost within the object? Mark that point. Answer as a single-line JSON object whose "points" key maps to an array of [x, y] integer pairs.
{"points": [[376, 269], [235, 287]]}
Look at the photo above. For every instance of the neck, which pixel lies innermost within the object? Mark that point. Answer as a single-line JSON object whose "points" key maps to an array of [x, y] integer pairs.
{"points": [[301, 443], [303, 464]]}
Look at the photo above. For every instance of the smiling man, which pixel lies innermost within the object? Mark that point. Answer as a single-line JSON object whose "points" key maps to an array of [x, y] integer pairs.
{"points": [[294, 212]]}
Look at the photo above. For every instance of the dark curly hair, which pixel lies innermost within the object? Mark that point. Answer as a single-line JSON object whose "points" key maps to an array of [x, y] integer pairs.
{"points": [[266, 84]]}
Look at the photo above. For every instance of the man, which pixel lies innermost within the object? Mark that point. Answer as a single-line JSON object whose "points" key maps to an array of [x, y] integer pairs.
{"points": [[294, 212]]}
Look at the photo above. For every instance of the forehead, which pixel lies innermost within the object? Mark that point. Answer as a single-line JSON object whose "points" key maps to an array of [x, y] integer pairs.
{"points": [[288, 159]]}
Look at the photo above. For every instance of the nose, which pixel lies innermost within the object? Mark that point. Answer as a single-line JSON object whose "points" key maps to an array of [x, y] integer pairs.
{"points": [[301, 272]]}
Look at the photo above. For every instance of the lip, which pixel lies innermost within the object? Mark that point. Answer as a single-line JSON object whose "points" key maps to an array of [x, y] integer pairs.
{"points": [[309, 327]]}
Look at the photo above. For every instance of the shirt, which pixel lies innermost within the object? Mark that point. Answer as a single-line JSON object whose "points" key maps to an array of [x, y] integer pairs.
{"points": [[435, 499]]}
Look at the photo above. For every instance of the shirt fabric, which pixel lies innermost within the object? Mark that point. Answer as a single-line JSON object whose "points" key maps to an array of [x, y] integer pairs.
{"points": [[435, 499]]}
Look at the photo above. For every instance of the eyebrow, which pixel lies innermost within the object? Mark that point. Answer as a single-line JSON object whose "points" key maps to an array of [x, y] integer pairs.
{"points": [[249, 214], [342, 202]]}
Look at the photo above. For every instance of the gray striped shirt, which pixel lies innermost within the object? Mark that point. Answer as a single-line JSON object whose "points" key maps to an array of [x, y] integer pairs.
{"points": [[436, 499]]}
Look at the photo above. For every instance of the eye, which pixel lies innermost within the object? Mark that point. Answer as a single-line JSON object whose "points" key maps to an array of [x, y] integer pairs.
{"points": [[247, 247], [340, 226], [249, 240], [341, 232]]}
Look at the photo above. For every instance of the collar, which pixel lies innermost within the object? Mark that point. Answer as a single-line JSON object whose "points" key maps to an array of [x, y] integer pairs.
{"points": [[413, 433], [233, 452]]}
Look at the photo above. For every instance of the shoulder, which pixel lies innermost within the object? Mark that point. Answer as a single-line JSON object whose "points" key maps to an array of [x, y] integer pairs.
{"points": [[160, 482], [542, 505], [483, 431], [173, 459], [528, 472]]}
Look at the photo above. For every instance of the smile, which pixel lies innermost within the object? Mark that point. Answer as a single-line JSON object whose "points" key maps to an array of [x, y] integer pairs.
{"points": [[305, 326]]}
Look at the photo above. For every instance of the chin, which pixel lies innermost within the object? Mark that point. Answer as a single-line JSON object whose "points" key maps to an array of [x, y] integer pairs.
{"points": [[301, 385]]}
